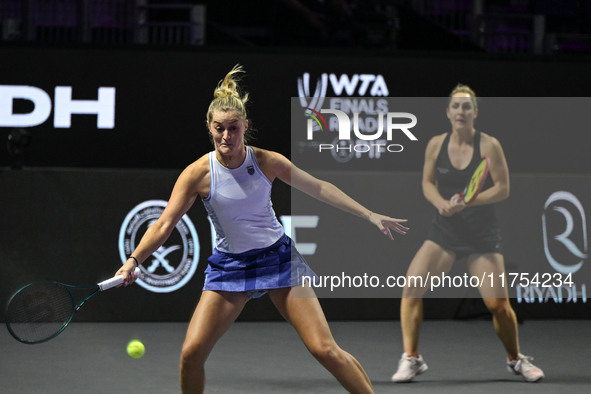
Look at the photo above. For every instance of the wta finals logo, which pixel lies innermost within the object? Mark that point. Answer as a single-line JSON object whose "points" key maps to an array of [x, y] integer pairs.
{"points": [[358, 84], [174, 263], [359, 121], [317, 98]]}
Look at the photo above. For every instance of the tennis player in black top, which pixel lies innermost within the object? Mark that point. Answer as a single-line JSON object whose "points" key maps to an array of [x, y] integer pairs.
{"points": [[462, 231]]}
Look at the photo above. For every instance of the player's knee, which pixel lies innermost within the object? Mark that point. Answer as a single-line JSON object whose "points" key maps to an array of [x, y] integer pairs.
{"points": [[329, 355], [414, 293], [192, 356], [499, 307]]}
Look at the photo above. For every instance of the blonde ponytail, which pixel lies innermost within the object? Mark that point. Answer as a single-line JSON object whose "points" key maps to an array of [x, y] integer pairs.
{"points": [[228, 97]]}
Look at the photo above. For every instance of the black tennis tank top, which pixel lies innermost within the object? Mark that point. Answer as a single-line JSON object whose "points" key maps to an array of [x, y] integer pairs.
{"points": [[471, 222]]}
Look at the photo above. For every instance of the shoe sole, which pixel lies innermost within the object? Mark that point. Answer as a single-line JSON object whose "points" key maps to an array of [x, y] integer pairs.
{"points": [[526, 379], [535, 380], [421, 370]]}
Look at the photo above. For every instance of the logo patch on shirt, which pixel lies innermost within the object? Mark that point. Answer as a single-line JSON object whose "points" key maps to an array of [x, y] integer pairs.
{"points": [[443, 170], [250, 170]]}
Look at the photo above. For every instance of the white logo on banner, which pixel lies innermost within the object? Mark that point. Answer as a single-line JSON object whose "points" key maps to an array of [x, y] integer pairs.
{"points": [[173, 264], [564, 237], [317, 98], [357, 84], [64, 107], [562, 250], [290, 223], [345, 148]]}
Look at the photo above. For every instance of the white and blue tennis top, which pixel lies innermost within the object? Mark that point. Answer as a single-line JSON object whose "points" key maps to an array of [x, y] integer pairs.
{"points": [[239, 206]]}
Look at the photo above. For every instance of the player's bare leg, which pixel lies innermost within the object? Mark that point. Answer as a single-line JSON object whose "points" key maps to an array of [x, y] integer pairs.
{"points": [[429, 258], [300, 307], [213, 316], [496, 298], [411, 318]]}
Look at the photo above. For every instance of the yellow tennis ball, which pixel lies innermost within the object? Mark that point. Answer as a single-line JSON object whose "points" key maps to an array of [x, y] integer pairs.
{"points": [[135, 349]]}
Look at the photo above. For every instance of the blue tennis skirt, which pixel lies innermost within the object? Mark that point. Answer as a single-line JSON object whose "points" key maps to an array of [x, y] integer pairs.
{"points": [[258, 270]]}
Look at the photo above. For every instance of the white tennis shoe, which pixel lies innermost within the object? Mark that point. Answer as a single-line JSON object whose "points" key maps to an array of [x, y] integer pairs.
{"points": [[408, 368], [523, 366]]}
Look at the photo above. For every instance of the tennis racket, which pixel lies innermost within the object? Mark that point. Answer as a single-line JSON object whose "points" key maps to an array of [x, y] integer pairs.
{"points": [[476, 182], [40, 311]]}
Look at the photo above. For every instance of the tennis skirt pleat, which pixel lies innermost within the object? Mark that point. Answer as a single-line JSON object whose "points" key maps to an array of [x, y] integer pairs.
{"points": [[256, 271]]}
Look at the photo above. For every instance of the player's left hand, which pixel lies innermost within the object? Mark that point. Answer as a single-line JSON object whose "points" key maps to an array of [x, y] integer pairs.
{"points": [[456, 204], [386, 224]]}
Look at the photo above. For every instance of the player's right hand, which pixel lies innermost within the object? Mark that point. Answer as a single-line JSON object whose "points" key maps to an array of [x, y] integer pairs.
{"points": [[452, 206], [127, 271]]}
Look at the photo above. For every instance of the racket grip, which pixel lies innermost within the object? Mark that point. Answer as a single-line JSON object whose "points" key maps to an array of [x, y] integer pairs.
{"points": [[116, 280]]}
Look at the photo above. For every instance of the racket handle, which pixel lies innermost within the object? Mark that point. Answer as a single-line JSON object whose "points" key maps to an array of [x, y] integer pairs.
{"points": [[116, 280]]}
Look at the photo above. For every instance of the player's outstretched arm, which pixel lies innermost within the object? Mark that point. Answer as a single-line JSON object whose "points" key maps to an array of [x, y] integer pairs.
{"points": [[330, 194]]}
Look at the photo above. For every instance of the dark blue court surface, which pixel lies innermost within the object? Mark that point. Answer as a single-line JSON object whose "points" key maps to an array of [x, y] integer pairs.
{"points": [[463, 357]]}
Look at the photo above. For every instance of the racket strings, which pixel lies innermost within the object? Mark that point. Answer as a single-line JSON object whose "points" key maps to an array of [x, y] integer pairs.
{"points": [[39, 311]]}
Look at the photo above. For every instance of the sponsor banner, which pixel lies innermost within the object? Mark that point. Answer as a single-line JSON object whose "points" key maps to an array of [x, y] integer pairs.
{"points": [[558, 242], [149, 110], [544, 229], [63, 109], [76, 227]]}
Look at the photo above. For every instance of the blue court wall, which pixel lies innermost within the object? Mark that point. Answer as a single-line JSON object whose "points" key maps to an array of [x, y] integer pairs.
{"points": [[73, 226], [61, 216]]}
